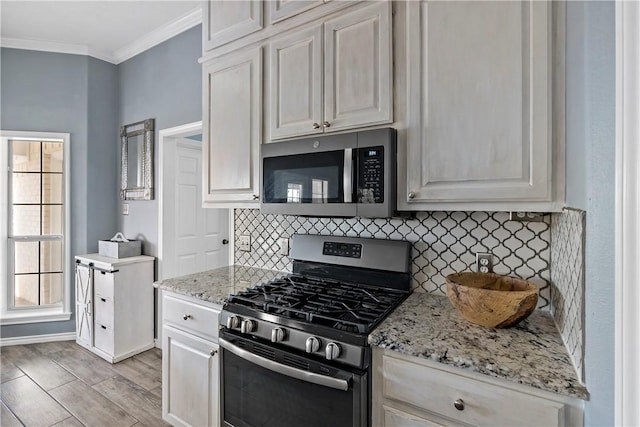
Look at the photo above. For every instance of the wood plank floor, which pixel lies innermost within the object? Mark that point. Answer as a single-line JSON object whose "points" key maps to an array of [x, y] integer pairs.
{"points": [[63, 384]]}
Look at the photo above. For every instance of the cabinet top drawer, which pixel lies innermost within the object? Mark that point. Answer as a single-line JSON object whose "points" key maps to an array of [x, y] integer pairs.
{"points": [[464, 399], [190, 316]]}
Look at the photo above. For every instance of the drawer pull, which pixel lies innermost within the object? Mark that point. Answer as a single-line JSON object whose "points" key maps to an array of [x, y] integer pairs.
{"points": [[103, 300], [459, 404], [186, 316], [213, 352], [103, 327]]}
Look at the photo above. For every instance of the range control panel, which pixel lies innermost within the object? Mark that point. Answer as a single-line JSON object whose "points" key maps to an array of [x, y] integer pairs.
{"points": [[347, 250]]}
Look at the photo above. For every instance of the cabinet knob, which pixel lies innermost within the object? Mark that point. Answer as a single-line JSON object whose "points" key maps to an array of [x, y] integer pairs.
{"points": [[225, 242], [213, 352], [256, 197], [459, 404], [411, 195], [326, 124], [316, 126], [186, 316]]}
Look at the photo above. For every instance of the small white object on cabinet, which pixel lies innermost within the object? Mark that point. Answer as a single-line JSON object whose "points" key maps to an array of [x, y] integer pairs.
{"points": [[190, 361], [114, 305]]}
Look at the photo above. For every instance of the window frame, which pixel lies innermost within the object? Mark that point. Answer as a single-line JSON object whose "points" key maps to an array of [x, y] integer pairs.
{"points": [[45, 313]]}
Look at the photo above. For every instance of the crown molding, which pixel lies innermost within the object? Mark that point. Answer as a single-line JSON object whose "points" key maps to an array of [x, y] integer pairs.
{"points": [[149, 40], [159, 35], [49, 46]]}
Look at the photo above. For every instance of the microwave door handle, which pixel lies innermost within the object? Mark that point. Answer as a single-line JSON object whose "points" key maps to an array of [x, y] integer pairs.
{"points": [[348, 175], [337, 383]]}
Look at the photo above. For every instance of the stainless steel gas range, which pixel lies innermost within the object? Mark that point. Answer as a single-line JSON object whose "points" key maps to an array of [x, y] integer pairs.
{"points": [[295, 349]]}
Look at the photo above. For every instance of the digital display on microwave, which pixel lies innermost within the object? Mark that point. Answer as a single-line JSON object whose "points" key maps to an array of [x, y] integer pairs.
{"points": [[372, 153]]}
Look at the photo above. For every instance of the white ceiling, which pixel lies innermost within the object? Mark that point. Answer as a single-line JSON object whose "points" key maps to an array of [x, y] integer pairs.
{"points": [[112, 30]]}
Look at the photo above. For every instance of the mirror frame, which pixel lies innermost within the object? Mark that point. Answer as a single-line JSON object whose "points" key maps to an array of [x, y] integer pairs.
{"points": [[145, 128]]}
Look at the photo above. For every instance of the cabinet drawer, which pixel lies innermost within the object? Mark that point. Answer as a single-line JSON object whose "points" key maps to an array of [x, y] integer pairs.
{"points": [[484, 404], [396, 418], [103, 339], [103, 310], [191, 316], [103, 284]]}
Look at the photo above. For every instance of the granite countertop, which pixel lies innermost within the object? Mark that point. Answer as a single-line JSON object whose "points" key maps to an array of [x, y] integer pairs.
{"points": [[531, 353], [216, 285]]}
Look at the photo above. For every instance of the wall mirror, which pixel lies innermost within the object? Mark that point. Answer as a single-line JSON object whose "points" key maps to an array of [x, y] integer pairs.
{"points": [[137, 160]]}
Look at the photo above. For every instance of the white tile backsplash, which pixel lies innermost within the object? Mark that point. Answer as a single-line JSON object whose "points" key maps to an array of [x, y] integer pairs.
{"points": [[443, 243]]}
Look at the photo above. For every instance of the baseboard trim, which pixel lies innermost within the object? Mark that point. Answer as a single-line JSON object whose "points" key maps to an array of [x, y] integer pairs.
{"points": [[34, 339]]}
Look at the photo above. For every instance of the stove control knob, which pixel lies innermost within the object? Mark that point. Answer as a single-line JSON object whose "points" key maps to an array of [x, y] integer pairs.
{"points": [[233, 322], [332, 351], [277, 335], [247, 326], [312, 345]]}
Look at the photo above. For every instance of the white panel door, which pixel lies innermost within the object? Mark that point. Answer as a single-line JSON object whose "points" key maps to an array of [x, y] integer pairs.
{"points": [[283, 9], [229, 20], [190, 379], [358, 68], [479, 101], [232, 128], [296, 83], [199, 234], [84, 305]]}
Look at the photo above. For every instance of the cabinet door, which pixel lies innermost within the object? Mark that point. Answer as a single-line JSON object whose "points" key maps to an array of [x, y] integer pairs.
{"points": [[283, 9], [396, 418], [296, 83], [229, 20], [479, 101], [190, 380], [232, 128], [358, 68], [84, 305]]}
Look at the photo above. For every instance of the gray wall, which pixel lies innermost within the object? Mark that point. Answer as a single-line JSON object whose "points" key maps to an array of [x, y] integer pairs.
{"points": [[165, 83], [53, 92], [591, 186]]}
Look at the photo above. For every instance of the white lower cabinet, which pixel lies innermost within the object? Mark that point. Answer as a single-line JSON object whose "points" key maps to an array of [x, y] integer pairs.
{"points": [[114, 305], [190, 362], [412, 392]]}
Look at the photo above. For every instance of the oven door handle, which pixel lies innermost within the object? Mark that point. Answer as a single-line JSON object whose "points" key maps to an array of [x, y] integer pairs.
{"points": [[337, 383]]}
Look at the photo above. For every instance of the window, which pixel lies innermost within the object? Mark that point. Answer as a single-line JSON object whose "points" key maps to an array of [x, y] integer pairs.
{"points": [[35, 256]]}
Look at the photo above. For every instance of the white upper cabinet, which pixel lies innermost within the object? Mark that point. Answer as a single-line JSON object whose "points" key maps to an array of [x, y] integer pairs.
{"points": [[332, 76], [232, 128], [283, 9], [358, 68], [229, 20], [296, 83], [480, 106]]}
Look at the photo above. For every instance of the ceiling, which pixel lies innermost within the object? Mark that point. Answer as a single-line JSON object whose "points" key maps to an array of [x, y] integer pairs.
{"points": [[112, 30]]}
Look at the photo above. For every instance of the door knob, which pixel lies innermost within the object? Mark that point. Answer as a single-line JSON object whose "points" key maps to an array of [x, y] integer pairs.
{"points": [[225, 242], [316, 126], [411, 195], [459, 404], [326, 124]]}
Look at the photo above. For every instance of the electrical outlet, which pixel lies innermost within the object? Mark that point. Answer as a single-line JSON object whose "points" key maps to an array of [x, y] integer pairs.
{"points": [[245, 243], [284, 246], [484, 263], [526, 216], [125, 209]]}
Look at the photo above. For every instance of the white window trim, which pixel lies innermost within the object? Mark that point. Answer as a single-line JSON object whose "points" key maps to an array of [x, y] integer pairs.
{"points": [[35, 315]]}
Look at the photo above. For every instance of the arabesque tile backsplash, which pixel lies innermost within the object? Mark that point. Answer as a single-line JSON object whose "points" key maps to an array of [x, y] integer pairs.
{"points": [[443, 243]]}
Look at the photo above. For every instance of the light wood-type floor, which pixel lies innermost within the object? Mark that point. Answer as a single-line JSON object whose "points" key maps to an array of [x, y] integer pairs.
{"points": [[64, 385]]}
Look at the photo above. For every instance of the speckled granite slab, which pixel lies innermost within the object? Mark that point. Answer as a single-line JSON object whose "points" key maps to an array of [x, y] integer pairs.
{"points": [[531, 353], [216, 285]]}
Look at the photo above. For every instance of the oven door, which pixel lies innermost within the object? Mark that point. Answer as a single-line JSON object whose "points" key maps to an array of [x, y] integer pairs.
{"points": [[313, 176], [266, 386]]}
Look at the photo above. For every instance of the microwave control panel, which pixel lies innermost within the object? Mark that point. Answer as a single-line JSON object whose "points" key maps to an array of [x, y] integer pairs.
{"points": [[371, 175]]}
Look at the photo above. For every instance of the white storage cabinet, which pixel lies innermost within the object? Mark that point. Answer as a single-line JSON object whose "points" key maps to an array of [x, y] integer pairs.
{"points": [[190, 361], [114, 305], [414, 392]]}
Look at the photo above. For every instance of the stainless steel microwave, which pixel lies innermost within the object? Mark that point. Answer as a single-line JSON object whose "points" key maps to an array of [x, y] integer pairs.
{"points": [[346, 175]]}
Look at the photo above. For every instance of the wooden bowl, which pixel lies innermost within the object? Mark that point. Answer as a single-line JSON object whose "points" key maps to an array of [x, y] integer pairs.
{"points": [[491, 300]]}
